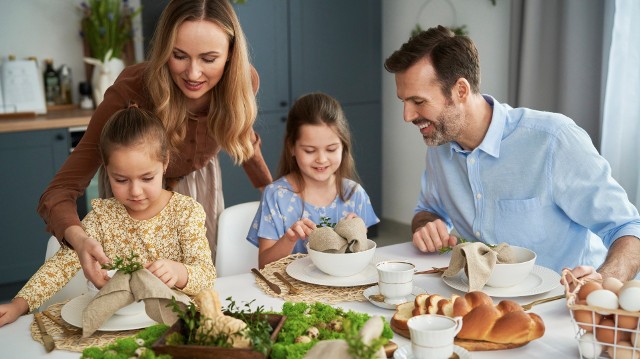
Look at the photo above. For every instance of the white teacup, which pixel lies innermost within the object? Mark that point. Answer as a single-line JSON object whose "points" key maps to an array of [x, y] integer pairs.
{"points": [[432, 335], [395, 280]]}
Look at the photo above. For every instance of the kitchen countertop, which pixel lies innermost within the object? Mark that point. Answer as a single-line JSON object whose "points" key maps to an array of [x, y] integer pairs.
{"points": [[53, 119]]}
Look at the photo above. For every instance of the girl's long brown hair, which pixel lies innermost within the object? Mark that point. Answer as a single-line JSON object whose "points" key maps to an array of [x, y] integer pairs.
{"points": [[232, 110]]}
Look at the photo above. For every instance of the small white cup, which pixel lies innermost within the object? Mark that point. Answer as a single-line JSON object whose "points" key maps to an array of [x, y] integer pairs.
{"points": [[432, 335], [395, 293], [395, 272], [395, 280]]}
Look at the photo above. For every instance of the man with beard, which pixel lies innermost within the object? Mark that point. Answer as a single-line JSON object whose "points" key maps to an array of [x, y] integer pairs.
{"points": [[498, 174]]}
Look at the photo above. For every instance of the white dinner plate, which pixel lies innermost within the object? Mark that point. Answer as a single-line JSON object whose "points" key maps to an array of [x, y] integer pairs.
{"points": [[404, 352], [540, 280], [304, 270], [72, 313], [375, 290]]}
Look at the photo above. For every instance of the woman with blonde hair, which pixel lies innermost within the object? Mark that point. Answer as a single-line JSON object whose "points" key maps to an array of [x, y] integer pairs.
{"points": [[198, 80]]}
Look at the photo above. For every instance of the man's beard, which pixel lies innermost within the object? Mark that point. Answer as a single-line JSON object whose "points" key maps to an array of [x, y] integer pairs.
{"points": [[447, 128]]}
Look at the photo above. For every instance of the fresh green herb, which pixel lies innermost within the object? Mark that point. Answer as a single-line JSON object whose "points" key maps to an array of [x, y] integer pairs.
{"points": [[134, 346], [357, 348], [324, 222], [461, 240], [127, 265], [258, 327]]}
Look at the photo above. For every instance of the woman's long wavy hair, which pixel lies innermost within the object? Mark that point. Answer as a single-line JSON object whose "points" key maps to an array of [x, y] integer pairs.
{"points": [[232, 110], [318, 109]]}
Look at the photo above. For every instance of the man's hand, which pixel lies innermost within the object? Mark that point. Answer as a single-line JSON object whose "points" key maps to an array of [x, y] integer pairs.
{"points": [[433, 236], [582, 273]]}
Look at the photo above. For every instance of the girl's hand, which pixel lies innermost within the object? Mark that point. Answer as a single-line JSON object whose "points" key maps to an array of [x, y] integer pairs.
{"points": [[351, 216], [173, 274], [301, 229], [10, 312]]}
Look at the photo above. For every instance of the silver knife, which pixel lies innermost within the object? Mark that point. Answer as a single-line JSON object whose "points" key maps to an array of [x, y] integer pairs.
{"points": [[49, 344], [273, 286]]}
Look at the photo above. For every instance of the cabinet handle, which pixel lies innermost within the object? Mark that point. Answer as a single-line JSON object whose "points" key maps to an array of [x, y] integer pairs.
{"points": [[283, 119], [59, 137], [283, 103]]}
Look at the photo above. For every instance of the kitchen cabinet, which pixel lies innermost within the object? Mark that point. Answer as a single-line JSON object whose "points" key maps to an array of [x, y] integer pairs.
{"points": [[28, 161], [302, 46]]}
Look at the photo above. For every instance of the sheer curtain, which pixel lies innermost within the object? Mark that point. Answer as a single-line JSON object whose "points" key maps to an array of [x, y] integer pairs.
{"points": [[621, 114]]}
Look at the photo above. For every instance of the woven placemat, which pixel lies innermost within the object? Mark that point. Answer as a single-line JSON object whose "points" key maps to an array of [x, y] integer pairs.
{"points": [[311, 293], [74, 342]]}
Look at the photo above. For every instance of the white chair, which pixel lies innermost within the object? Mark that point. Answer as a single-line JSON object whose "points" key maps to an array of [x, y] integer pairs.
{"points": [[235, 254], [75, 287]]}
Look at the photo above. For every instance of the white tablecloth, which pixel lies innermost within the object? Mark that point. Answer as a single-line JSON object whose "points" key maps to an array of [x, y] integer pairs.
{"points": [[557, 342]]}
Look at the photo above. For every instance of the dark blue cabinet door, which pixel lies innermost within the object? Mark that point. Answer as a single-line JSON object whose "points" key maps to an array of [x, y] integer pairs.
{"points": [[28, 161]]}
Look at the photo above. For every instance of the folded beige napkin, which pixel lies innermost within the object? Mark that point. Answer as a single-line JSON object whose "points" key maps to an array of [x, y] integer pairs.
{"points": [[355, 232], [478, 260], [325, 239], [122, 290], [349, 235]]}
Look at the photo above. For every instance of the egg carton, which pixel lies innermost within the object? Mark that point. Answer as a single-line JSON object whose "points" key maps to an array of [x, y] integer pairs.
{"points": [[615, 341]]}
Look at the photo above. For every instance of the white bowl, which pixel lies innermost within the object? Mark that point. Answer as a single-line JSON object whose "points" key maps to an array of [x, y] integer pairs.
{"points": [[342, 264], [134, 308], [510, 274]]}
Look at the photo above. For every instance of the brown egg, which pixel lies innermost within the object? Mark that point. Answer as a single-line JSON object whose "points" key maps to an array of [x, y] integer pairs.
{"points": [[635, 339], [607, 333], [627, 321], [623, 350], [587, 288], [586, 318], [612, 284]]}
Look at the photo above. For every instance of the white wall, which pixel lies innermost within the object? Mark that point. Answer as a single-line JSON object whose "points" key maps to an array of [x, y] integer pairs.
{"points": [[403, 150], [49, 29]]}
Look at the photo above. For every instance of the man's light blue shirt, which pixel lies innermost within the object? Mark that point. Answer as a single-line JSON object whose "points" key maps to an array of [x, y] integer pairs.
{"points": [[536, 181]]}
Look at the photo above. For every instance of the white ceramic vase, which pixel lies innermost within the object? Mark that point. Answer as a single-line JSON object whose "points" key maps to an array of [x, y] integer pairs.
{"points": [[104, 75]]}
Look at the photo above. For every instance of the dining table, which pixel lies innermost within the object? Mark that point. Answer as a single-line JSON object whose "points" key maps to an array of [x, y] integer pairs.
{"points": [[558, 341]]}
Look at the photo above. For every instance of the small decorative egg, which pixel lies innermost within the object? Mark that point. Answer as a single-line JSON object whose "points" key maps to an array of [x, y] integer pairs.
{"points": [[612, 284], [623, 350], [630, 299], [604, 299], [589, 347], [587, 288]]}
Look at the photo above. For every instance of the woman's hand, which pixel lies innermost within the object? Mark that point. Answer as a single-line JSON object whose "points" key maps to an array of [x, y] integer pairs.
{"points": [[10, 312], [90, 254], [300, 229], [173, 274]]}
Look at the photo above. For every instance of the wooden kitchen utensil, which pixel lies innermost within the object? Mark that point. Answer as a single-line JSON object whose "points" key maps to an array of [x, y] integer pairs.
{"points": [[271, 285], [49, 344]]}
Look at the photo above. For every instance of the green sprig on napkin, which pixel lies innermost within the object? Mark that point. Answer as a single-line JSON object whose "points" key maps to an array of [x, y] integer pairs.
{"points": [[126, 265]]}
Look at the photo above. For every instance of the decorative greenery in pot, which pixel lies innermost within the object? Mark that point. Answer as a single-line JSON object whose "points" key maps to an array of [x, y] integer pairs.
{"points": [[106, 25]]}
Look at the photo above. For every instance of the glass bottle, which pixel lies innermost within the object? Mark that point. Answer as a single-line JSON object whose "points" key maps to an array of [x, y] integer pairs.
{"points": [[65, 85], [51, 83]]}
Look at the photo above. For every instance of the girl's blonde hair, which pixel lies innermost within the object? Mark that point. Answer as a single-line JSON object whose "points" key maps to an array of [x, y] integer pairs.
{"points": [[232, 110], [132, 127], [318, 109]]}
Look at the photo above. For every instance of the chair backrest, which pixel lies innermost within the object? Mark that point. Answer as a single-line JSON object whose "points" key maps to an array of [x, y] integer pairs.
{"points": [[75, 287], [235, 254]]}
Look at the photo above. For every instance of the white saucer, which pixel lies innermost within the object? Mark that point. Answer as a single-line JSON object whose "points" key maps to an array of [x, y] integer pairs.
{"points": [[72, 313], [374, 290], [304, 270], [540, 280], [405, 352]]}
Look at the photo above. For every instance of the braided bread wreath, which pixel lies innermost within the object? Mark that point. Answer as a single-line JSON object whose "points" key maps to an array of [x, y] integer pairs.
{"points": [[485, 326]]}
